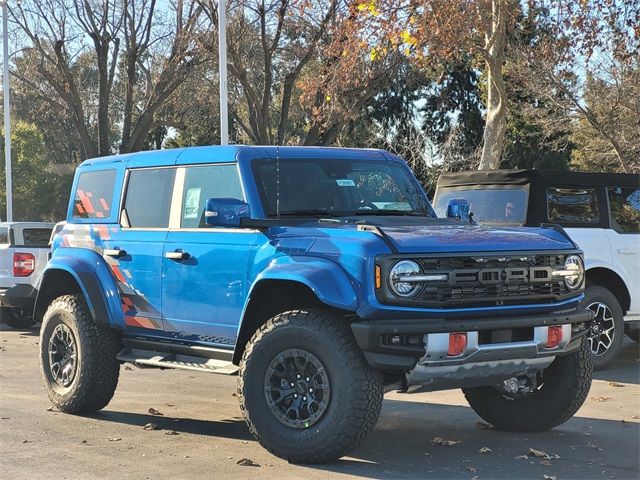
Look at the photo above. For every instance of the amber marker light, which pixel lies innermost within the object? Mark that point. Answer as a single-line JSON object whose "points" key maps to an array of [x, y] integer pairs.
{"points": [[378, 277]]}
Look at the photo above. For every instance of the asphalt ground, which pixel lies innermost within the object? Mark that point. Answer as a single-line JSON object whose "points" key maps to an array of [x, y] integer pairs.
{"points": [[201, 434]]}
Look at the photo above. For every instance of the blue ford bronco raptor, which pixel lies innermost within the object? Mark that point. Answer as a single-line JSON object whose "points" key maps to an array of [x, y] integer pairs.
{"points": [[323, 278]]}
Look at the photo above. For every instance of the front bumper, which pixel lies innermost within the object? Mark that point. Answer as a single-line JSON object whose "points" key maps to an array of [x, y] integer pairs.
{"points": [[404, 344], [21, 295]]}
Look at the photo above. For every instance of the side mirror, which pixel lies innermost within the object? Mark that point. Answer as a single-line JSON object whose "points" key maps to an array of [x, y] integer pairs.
{"points": [[458, 208], [225, 212]]}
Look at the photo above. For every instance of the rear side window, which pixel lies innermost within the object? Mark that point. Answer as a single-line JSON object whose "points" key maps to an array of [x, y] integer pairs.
{"points": [[94, 194], [4, 235], [148, 200], [572, 205], [214, 181], [36, 236], [625, 209]]}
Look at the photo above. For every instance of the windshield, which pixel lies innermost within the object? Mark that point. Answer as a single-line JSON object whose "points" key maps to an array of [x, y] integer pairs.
{"points": [[338, 188], [495, 205]]}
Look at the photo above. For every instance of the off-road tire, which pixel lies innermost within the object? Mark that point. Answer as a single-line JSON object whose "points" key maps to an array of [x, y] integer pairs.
{"points": [[566, 385], [97, 368], [18, 319], [356, 388], [596, 294]]}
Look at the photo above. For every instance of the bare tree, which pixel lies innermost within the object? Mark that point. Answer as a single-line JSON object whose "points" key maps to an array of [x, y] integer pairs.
{"points": [[67, 38]]}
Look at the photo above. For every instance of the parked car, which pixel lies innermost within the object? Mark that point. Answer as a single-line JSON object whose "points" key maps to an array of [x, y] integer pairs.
{"points": [[601, 213], [24, 249], [322, 277]]}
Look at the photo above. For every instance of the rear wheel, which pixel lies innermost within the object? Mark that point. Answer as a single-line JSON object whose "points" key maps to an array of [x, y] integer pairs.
{"points": [[607, 329], [540, 403], [18, 318], [305, 389], [77, 357]]}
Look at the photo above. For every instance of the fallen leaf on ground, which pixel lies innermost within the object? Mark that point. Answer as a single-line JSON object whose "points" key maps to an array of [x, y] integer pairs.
{"points": [[548, 477], [29, 441], [170, 432], [443, 442], [150, 426], [127, 367], [169, 405], [153, 411], [636, 417], [51, 409], [472, 469], [245, 462], [117, 439], [599, 399], [545, 463], [540, 454], [615, 384], [484, 426], [485, 450]]}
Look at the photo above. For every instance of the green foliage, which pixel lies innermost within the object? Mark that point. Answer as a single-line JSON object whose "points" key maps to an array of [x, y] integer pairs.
{"points": [[38, 193]]}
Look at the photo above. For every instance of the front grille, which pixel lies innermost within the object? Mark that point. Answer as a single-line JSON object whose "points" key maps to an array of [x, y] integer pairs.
{"points": [[487, 280]]}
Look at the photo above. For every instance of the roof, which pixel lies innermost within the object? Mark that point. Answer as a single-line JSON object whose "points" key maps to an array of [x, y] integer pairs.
{"points": [[217, 153], [555, 177]]}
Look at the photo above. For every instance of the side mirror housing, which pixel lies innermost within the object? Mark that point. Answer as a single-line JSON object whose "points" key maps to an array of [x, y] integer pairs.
{"points": [[225, 212], [458, 208]]}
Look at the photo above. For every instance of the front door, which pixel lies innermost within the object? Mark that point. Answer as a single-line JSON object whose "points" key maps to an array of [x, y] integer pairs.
{"points": [[206, 270], [134, 251]]}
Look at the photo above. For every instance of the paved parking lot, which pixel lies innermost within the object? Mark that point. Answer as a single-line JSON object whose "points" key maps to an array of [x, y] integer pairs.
{"points": [[201, 434]]}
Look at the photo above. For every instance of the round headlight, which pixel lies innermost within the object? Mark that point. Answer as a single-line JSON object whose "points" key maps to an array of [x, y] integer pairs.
{"points": [[402, 269], [574, 263]]}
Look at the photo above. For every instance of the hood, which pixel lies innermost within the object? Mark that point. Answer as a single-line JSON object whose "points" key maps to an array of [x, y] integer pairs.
{"points": [[449, 236]]}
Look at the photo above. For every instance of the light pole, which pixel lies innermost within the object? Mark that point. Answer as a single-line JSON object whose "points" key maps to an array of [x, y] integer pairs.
{"points": [[222, 61], [7, 112]]}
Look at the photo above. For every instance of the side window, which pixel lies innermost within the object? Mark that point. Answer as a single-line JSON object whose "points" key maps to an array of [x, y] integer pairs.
{"points": [[200, 183], [625, 209], [572, 205], [94, 194], [148, 200], [4, 235]]}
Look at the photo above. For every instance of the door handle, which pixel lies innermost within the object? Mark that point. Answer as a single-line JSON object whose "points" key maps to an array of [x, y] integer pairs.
{"points": [[115, 252], [628, 251], [179, 256]]}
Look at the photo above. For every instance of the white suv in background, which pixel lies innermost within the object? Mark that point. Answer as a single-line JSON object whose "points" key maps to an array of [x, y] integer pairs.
{"points": [[599, 211]]}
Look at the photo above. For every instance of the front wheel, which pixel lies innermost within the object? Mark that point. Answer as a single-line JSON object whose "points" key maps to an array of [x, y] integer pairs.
{"points": [[607, 329], [544, 402], [77, 357], [305, 389], [18, 318]]}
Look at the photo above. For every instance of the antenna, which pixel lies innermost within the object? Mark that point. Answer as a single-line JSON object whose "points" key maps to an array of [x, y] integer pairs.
{"points": [[278, 182]]}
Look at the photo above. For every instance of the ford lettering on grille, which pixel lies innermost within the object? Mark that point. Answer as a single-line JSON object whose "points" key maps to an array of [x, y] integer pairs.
{"points": [[495, 276]]}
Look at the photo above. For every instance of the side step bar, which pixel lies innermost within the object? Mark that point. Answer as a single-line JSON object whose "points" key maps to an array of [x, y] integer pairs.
{"points": [[148, 358]]}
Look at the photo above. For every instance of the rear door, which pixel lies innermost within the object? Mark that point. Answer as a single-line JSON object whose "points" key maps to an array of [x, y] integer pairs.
{"points": [[134, 249], [204, 293]]}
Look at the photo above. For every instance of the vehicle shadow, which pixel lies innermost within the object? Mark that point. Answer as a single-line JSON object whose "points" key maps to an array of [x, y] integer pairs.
{"points": [[234, 428], [401, 447], [625, 368]]}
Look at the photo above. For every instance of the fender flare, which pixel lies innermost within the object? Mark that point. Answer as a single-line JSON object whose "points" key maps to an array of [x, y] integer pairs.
{"points": [[94, 278], [325, 278]]}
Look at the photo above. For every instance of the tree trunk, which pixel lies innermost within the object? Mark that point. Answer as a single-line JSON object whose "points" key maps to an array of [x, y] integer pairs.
{"points": [[495, 126]]}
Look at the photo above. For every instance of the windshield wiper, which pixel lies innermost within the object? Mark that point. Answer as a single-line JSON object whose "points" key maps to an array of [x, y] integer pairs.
{"points": [[382, 212], [304, 213]]}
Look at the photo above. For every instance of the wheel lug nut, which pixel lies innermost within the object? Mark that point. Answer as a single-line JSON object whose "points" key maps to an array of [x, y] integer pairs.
{"points": [[307, 379], [293, 384], [295, 395], [304, 399], [298, 376]]}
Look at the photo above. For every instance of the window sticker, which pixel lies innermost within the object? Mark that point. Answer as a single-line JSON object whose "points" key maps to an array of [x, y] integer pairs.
{"points": [[192, 203], [346, 182]]}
